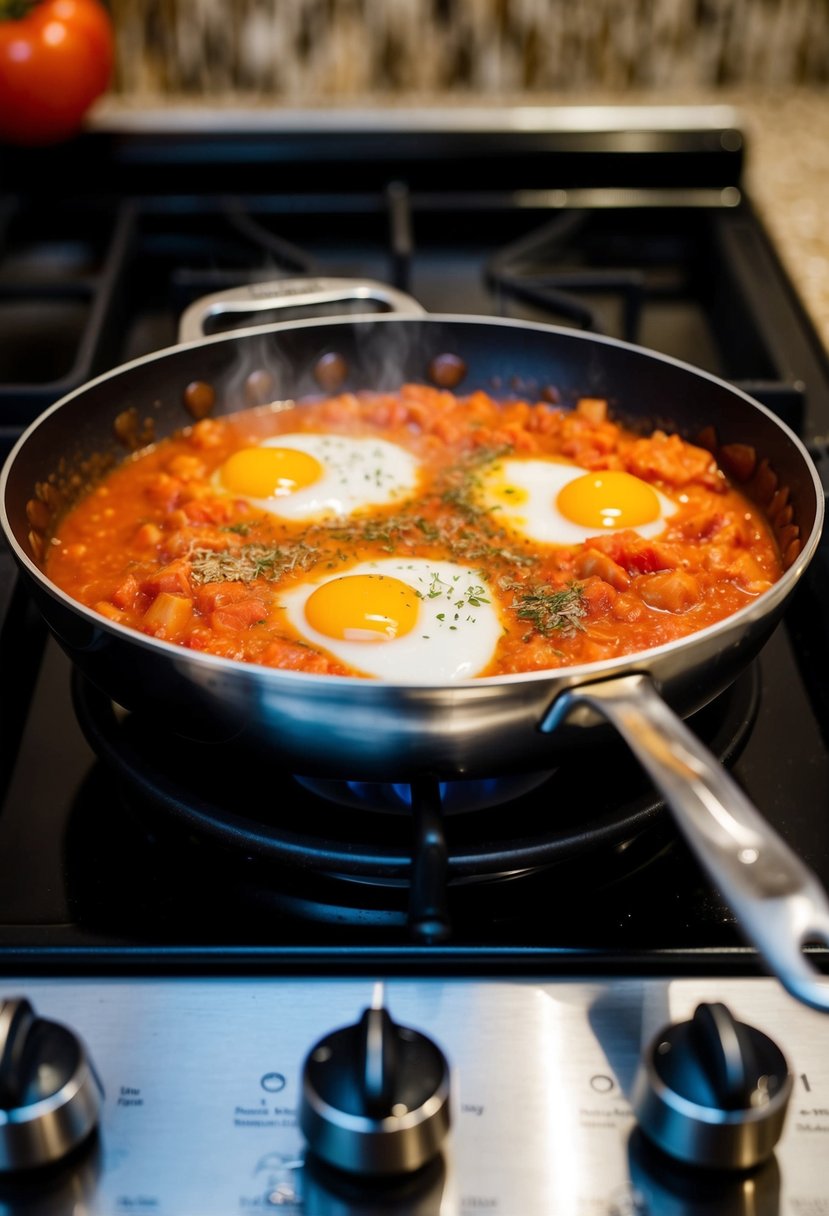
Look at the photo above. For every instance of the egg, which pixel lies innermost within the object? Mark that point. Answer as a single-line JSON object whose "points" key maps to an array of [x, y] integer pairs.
{"points": [[308, 476], [403, 620], [558, 503]]}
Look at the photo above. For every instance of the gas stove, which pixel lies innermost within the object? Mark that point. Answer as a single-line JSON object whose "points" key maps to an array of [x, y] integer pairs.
{"points": [[201, 954]]}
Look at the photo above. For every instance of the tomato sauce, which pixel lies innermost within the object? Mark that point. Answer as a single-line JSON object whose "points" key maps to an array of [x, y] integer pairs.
{"points": [[161, 546]]}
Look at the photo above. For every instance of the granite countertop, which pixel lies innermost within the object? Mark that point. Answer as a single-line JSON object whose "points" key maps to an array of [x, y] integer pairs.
{"points": [[787, 154], [787, 176]]}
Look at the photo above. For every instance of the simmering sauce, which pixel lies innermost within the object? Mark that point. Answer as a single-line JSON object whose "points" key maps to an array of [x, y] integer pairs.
{"points": [[415, 536]]}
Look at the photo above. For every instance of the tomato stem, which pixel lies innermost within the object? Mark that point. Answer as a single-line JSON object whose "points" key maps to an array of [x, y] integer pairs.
{"points": [[15, 10]]}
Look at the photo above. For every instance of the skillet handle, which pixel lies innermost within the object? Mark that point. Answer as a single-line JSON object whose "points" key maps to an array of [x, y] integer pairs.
{"points": [[777, 900], [290, 293]]}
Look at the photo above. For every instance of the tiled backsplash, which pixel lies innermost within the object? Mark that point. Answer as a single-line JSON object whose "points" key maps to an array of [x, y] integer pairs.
{"points": [[308, 50]]}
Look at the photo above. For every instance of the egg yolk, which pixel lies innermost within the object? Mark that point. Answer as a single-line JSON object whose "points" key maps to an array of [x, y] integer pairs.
{"points": [[363, 608], [269, 472], [608, 499]]}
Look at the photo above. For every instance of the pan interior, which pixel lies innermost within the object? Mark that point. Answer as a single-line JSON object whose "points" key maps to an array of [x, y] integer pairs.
{"points": [[511, 358]]}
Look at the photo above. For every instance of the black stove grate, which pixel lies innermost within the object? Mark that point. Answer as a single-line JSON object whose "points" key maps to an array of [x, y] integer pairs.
{"points": [[88, 294]]}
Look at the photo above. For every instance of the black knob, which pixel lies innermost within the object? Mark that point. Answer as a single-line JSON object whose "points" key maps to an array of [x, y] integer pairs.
{"points": [[375, 1097], [713, 1091], [49, 1095]]}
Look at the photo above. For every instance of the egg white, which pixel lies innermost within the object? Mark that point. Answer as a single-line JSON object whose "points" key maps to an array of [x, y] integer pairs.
{"points": [[357, 472], [451, 640], [523, 494]]}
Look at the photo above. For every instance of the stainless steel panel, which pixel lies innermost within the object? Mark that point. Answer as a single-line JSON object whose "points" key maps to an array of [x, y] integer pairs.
{"points": [[201, 1081]]}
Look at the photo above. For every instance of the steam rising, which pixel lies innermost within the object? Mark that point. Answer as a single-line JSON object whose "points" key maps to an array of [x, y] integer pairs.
{"points": [[380, 355]]}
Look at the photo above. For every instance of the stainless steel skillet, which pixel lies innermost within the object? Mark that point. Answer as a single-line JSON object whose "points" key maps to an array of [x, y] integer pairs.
{"points": [[372, 730]]}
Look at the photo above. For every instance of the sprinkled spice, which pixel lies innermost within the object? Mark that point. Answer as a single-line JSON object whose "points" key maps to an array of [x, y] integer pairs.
{"points": [[549, 610], [249, 562]]}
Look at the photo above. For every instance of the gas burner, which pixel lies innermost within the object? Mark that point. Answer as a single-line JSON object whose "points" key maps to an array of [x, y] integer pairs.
{"points": [[455, 796], [149, 874], [370, 862]]}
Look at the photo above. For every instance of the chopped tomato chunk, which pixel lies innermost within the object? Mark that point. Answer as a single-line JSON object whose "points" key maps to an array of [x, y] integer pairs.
{"points": [[669, 459], [163, 490], [210, 596], [598, 596], [126, 594], [240, 614], [292, 657], [634, 554], [671, 591], [174, 577], [592, 561]]}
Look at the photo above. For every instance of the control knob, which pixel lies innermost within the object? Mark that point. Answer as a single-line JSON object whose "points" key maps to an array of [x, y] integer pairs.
{"points": [[50, 1097], [375, 1097], [713, 1091]]}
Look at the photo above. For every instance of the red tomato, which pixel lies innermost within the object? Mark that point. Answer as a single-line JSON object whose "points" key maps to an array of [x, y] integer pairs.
{"points": [[56, 58]]}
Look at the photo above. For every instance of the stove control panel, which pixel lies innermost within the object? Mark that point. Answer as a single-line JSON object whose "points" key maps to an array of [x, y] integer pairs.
{"points": [[521, 1097]]}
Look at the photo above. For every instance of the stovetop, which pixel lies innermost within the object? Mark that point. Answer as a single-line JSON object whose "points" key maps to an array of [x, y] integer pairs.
{"points": [[647, 236], [198, 960]]}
